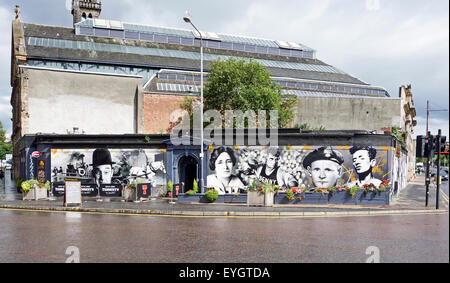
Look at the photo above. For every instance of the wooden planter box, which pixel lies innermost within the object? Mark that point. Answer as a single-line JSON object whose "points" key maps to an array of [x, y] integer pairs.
{"points": [[230, 198], [268, 199], [341, 197], [381, 198], [254, 198], [129, 194], [35, 193], [312, 198], [280, 198]]}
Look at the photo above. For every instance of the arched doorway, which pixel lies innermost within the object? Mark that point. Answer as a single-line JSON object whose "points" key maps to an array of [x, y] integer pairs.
{"points": [[188, 172]]}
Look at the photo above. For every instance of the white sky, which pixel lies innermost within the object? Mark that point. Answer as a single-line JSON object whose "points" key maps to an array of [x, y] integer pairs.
{"points": [[384, 43]]}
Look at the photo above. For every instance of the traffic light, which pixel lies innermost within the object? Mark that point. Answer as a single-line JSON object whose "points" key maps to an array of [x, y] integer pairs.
{"points": [[443, 139], [420, 146], [429, 148]]}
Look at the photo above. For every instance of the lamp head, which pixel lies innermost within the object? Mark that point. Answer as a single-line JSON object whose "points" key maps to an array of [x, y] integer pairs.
{"points": [[187, 17]]}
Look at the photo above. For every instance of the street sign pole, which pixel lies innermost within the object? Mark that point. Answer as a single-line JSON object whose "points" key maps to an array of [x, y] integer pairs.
{"points": [[438, 168], [427, 170]]}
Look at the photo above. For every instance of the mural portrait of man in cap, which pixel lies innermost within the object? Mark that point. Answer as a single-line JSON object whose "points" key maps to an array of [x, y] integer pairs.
{"points": [[102, 164], [324, 165], [364, 160]]}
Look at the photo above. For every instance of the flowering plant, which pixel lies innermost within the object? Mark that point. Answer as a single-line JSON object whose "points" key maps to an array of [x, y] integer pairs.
{"points": [[321, 190], [342, 188], [262, 188], [384, 186], [290, 194], [28, 185], [353, 190], [368, 188]]}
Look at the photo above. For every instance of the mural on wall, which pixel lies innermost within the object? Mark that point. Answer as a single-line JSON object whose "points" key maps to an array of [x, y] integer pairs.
{"points": [[231, 169], [108, 169]]}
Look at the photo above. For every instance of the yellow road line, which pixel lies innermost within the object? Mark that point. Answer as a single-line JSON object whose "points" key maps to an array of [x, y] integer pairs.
{"points": [[229, 216], [444, 195]]}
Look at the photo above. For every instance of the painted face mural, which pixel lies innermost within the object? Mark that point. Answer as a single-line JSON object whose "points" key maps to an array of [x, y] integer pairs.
{"points": [[222, 161], [294, 166], [364, 161], [325, 173], [224, 165]]}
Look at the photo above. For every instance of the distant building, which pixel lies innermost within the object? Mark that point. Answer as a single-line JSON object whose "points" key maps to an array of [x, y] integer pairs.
{"points": [[105, 77]]}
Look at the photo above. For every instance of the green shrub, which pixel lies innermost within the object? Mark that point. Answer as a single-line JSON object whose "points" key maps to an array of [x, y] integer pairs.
{"points": [[211, 195], [169, 186], [27, 185]]}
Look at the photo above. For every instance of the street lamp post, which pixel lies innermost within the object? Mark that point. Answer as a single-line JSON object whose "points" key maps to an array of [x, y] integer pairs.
{"points": [[187, 19]]}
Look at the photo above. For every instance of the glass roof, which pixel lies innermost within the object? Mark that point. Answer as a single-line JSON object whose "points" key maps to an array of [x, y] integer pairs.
{"points": [[189, 34], [59, 43]]}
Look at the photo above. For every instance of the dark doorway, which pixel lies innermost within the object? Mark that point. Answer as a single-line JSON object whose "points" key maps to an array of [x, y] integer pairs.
{"points": [[187, 169]]}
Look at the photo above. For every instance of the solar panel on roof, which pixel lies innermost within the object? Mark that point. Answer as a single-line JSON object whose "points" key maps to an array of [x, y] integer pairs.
{"points": [[100, 23], [282, 44], [116, 25], [294, 45]]}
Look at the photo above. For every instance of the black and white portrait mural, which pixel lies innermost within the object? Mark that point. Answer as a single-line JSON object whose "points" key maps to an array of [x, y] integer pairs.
{"points": [[232, 169], [108, 169]]}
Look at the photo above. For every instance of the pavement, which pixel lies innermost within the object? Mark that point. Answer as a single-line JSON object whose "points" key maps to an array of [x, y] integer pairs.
{"points": [[411, 200]]}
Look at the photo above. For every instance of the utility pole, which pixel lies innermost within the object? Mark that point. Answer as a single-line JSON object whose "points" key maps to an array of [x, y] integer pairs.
{"points": [[438, 146], [427, 168]]}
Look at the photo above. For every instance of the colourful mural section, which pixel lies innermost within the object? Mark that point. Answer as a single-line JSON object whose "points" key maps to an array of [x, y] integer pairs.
{"points": [[108, 169], [232, 169]]}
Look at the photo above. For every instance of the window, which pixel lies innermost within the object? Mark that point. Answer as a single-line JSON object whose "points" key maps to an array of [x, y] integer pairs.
{"points": [[146, 36], [173, 39], [101, 32], [83, 16], [187, 41], [238, 47], [212, 44], [161, 38], [132, 35]]}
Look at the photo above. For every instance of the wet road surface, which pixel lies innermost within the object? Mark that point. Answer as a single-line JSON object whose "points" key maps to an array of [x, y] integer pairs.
{"points": [[44, 237]]}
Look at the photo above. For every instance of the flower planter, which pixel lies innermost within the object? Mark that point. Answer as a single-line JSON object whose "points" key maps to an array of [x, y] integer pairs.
{"points": [[231, 198], [254, 198], [185, 198], [280, 198], [35, 193], [129, 194], [370, 198], [268, 199], [341, 197], [220, 199], [312, 198]]}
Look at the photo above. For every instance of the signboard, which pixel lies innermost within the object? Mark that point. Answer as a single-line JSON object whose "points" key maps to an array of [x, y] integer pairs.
{"points": [[144, 191], [87, 190], [178, 188], [72, 192], [111, 190], [36, 154]]}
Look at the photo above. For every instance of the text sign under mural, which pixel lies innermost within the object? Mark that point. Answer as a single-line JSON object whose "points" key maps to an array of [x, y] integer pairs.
{"points": [[106, 172], [232, 169]]}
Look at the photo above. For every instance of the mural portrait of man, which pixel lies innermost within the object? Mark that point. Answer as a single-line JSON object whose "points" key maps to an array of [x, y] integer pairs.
{"points": [[103, 166], [364, 160], [324, 165], [222, 161], [271, 172]]}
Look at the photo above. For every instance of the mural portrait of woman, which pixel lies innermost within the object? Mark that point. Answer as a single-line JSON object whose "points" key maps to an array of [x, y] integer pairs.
{"points": [[223, 161]]}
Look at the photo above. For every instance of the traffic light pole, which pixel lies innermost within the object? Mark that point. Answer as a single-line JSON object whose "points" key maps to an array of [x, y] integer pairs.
{"points": [[438, 168], [427, 170]]}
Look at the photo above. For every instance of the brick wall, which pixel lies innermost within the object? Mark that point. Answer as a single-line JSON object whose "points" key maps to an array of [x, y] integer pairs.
{"points": [[157, 111]]}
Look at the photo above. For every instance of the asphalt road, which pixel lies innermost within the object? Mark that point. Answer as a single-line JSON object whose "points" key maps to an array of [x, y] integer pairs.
{"points": [[46, 237]]}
